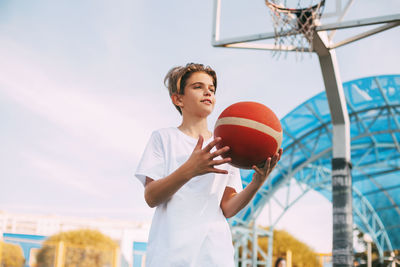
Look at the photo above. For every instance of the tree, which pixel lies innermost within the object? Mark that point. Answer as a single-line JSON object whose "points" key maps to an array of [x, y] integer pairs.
{"points": [[12, 255], [361, 255], [83, 248], [302, 254]]}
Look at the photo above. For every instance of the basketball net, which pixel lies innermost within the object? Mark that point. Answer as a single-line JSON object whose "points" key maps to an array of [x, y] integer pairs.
{"points": [[294, 27]]}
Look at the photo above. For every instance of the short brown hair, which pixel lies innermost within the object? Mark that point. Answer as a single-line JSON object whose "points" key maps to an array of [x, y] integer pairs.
{"points": [[176, 78]]}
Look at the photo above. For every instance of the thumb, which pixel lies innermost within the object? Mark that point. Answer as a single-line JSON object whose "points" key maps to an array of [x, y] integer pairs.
{"points": [[199, 144]]}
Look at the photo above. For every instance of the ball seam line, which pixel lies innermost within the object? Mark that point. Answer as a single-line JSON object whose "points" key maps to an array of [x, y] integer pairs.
{"points": [[250, 124]]}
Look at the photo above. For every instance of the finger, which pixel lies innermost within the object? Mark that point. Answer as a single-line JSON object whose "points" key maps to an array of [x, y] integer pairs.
{"points": [[215, 170], [221, 161], [212, 144], [267, 165], [199, 144], [277, 157], [280, 152], [273, 165], [220, 152], [257, 170]]}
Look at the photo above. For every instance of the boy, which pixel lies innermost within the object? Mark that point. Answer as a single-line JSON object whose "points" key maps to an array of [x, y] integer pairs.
{"points": [[193, 189]]}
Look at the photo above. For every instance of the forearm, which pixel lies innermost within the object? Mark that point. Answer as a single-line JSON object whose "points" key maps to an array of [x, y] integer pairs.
{"points": [[232, 203], [239, 200], [159, 191]]}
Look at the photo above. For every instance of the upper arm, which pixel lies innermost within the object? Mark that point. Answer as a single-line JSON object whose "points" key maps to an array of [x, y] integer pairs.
{"points": [[148, 180], [147, 197], [228, 194], [152, 163]]}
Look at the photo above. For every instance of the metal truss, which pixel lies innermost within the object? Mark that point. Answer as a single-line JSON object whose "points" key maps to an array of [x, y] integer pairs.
{"points": [[362, 208], [252, 41], [245, 252], [367, 214], [374, 111]]}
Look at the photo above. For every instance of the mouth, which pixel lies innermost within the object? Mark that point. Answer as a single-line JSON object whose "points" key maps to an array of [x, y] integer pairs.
{"points": [[206, 101]]}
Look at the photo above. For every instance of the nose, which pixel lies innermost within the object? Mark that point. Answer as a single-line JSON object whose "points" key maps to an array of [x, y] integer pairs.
{"points": [[207, 92]]}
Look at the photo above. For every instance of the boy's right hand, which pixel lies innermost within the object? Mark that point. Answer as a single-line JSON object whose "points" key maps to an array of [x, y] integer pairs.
{"points": [[202, 160]]}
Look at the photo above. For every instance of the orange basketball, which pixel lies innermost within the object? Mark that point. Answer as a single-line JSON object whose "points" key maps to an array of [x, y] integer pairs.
{"points": [[251, 130]]}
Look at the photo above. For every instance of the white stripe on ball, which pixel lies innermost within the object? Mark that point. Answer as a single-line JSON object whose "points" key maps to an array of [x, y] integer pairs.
{"points": [[251, 124]]}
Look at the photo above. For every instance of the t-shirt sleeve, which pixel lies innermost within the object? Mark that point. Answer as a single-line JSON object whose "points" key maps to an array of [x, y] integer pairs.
{"points": [[152, 163], [234, 179]]}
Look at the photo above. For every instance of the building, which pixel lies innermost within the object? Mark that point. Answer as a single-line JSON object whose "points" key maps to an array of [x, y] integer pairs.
{"points": [[30, 230]]}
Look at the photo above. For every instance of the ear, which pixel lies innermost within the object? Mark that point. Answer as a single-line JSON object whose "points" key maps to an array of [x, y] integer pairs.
{"points": [[177, 100]]}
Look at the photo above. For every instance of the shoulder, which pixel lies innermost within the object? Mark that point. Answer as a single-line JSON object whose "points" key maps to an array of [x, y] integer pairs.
{"points": [[165, 134], [164, 131]]}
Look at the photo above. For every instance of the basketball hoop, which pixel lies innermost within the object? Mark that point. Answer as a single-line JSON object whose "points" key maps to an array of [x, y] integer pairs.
{"points": [[294, 27]]}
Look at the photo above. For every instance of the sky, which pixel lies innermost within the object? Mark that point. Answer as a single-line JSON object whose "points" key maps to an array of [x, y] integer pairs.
{"points": [[81, 90]]}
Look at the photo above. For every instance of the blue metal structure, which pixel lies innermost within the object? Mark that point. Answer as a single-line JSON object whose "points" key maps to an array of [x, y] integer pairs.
{"points": [[373, 104], [139, 252], [26, 242]]}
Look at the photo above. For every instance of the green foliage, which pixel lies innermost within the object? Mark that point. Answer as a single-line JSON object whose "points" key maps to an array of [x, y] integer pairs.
{"points": [[302, 254], [361, 257], [12, 255], [82, 248]]}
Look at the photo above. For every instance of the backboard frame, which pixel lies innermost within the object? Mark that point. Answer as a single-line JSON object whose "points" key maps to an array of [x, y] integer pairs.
{"points": [[248, 41]]}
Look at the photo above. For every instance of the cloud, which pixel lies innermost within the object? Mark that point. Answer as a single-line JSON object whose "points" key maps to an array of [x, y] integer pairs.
{"points": [[142, 215], [99, 119], [87, 123], [64, 175]]}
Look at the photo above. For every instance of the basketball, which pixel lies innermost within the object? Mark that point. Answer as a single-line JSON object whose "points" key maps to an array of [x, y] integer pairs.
{"points": [[251, 130]]}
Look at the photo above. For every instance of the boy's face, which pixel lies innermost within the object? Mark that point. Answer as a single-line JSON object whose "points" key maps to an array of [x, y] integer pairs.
{"points": [[199, 97]]}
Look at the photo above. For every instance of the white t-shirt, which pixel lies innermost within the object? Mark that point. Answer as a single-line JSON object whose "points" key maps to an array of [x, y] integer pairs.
{"points": [[188, 230]]}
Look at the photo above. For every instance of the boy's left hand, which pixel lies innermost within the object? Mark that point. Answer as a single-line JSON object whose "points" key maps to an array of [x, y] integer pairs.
{"points": [[261, 174]]}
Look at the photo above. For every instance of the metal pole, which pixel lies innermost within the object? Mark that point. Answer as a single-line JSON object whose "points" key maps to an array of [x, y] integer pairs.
{"points": [[369, 254], [289, 258], [270, 246], [393, 255], [368, 239], [60, 253], [342, 247], [216, 21], [116, 257], [255, 245], [1, 252]]}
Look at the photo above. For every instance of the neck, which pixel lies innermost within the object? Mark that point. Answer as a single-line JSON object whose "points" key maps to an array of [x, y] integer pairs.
{"points": [[195, 127]]}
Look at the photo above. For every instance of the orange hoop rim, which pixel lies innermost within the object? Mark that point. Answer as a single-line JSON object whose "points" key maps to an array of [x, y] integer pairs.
{"points": [[293, 10]]}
